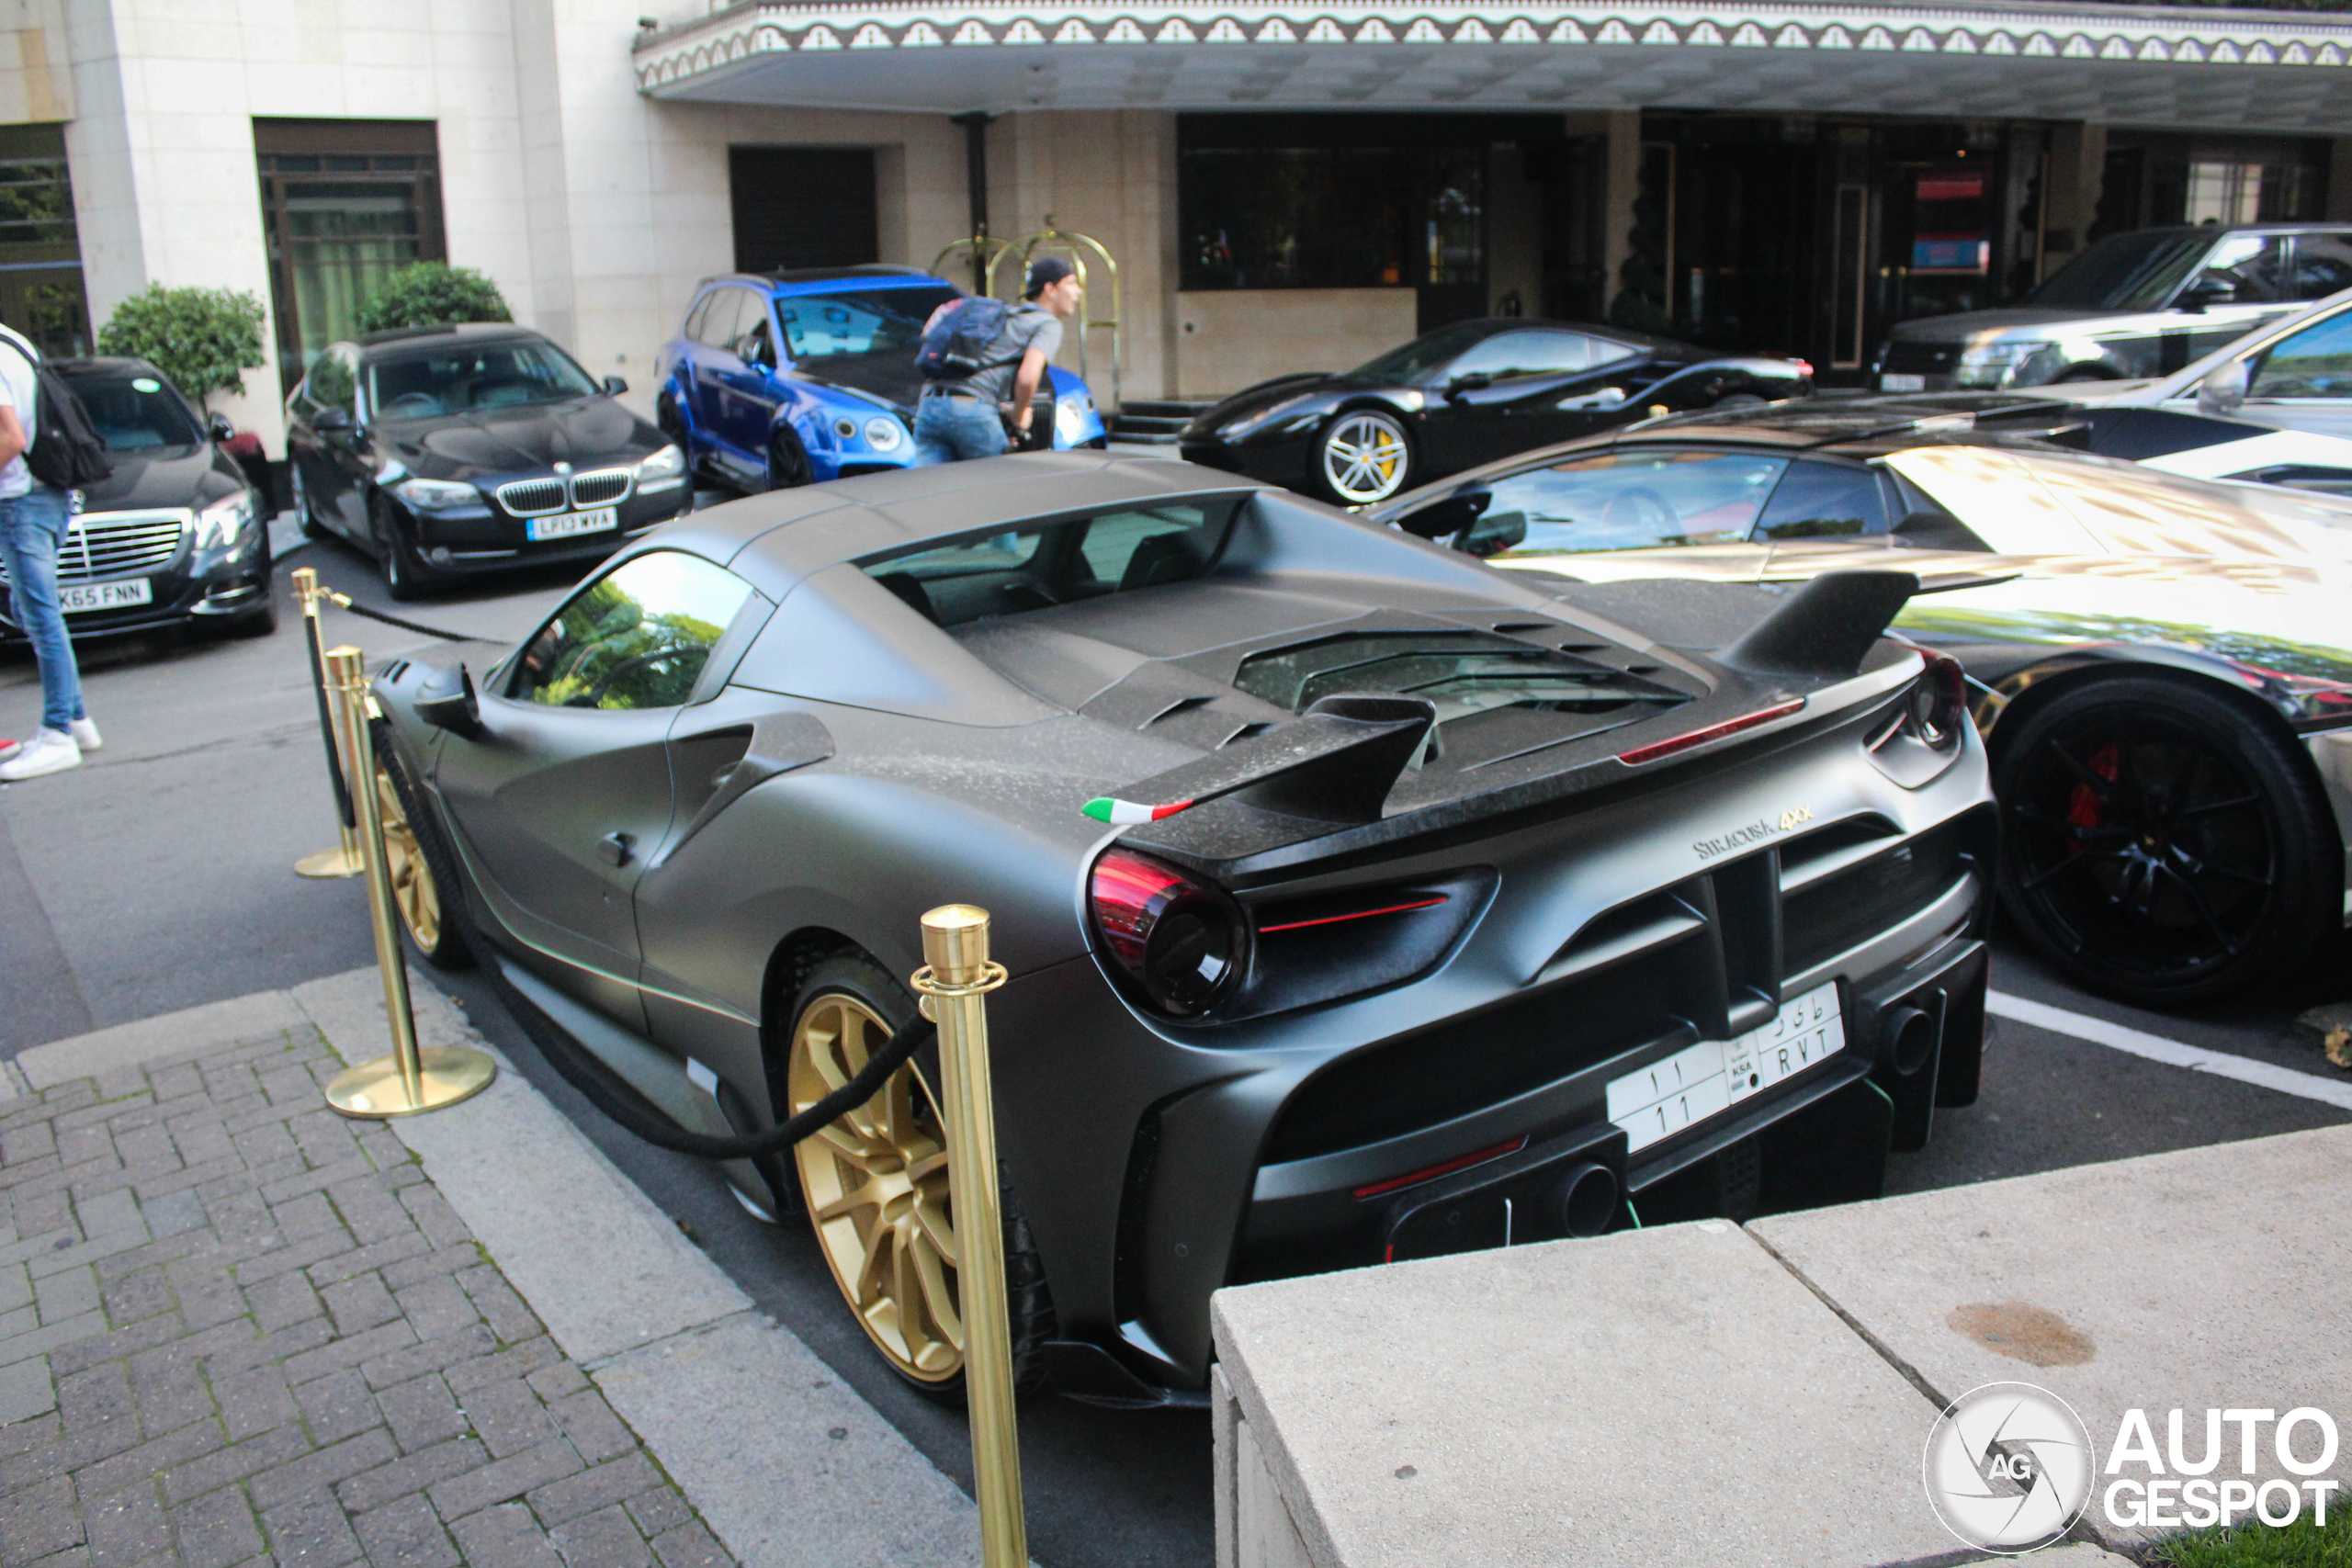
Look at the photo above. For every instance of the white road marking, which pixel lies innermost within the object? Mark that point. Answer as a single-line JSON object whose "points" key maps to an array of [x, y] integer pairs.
{"points": [[2156, 1048]]}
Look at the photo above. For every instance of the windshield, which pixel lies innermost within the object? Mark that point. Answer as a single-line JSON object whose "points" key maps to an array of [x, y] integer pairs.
{"points": [[133, 414], [1418, 360], [461, 377], [876, 325], [2125, 272]]}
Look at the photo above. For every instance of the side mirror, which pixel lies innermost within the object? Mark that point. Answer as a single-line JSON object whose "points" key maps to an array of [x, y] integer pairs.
{"points": [[1450, 515], [1475, 381], [1606, 398], [458, 711], [615, 385], [332, 420], [2224, 388], [2208, 289], [218, 428]]}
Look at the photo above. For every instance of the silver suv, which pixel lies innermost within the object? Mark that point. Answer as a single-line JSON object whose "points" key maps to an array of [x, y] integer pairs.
{"points": [[2133, 305]]}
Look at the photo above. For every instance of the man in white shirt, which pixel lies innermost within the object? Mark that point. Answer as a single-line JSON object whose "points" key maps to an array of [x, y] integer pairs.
{"points": [[34, 518]]}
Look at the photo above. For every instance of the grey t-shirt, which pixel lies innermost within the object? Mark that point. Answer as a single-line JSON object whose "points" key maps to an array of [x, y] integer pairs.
{"points": [[1029, 324]]}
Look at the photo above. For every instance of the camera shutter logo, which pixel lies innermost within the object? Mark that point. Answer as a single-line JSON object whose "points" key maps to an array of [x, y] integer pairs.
{"points": [[2008, 1467]]}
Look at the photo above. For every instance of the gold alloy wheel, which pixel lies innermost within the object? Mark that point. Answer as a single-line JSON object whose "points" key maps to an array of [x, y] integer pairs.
{"points": [[1364, 458], [878, 1190], [415, 893]]}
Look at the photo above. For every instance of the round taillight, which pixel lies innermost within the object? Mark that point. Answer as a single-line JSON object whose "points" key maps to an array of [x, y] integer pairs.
{"points": [[1183, 942]]}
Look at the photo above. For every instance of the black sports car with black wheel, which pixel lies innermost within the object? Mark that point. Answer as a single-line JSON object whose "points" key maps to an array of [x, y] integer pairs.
{"points": [[449, 451], [175, 536], [2162, 666], [1359, 901], [1464, 395]]}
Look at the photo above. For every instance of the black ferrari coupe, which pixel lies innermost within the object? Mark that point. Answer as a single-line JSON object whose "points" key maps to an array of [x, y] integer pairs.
{"points": [[1464, 395], [444, 451], [1361, 901]]}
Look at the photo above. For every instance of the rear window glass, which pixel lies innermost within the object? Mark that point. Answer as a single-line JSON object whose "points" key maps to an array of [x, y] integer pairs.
{"points": [[1043, 565]]}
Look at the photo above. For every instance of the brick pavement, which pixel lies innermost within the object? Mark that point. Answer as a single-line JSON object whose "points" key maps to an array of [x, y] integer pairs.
{"points": [[236, 1328]]}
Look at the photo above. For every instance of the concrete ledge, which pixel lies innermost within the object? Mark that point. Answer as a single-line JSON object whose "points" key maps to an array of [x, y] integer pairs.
{"points": [[168, 1034], [1669, 1395]]}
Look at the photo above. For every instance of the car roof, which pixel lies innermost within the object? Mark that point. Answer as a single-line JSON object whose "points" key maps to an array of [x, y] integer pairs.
{"points": [[2217, 230], [395, 335], [774, 540], [810, 279], [106, 365]]}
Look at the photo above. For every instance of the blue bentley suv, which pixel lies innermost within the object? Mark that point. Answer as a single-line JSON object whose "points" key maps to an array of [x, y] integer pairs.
{"points": [[786, 379]]}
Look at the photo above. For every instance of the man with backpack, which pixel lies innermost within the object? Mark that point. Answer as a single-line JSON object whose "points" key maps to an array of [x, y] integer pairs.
{"points": [[46, 447], [982, 362]]}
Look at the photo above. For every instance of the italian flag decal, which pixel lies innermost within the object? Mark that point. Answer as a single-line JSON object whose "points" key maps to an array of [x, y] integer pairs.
{"points": [[1126, 813]]}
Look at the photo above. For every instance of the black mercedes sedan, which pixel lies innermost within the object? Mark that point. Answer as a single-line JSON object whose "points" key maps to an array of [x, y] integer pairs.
{"points": [[443, 451], [1464, 395], [175, 536]]}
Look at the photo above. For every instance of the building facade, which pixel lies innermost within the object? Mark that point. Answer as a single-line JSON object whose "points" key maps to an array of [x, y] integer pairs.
{"points": [[1283, 185]]}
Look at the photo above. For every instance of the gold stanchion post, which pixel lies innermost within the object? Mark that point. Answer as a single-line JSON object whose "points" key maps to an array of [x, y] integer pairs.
{"points": [[409, 1080], [954, 985], [342, 860]]}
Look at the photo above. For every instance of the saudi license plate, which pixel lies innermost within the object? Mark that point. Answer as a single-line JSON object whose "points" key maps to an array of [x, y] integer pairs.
{"points": [[1712, 1077], [564, 524], [1898, 382], [83, 596]]}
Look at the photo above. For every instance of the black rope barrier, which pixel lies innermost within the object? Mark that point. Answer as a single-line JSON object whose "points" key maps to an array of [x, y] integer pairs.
{"points": [[343, 601], [326, 731]]}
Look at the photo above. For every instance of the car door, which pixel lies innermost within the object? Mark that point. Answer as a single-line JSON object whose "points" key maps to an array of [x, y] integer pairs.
{"points": [[2304, 381], [1629, 512], [1504, 395], [2246, 278], [337, 469], [752, 395], [715, 363], [561, 799]]}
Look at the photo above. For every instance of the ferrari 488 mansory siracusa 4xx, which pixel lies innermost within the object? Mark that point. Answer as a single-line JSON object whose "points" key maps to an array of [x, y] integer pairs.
{"points": [[1361, 901]]}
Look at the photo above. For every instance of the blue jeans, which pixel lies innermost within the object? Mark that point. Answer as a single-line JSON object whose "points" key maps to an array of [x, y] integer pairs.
{"points": [[32, 530], [950, 430]]}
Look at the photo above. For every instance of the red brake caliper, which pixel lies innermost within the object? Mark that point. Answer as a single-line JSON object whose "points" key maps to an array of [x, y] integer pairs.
{"points": [[2085, 808]]}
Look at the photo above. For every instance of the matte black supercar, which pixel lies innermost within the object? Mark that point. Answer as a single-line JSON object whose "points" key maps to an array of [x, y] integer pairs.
{"points": [[1464, 395], [1361, 901]]}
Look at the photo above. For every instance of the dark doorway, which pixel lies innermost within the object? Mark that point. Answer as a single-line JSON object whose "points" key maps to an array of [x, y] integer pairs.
{"points": [[40, 252], [802, 206], [345, 204]]}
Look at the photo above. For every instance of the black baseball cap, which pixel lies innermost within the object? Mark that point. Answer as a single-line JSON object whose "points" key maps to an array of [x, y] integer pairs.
{"points": [[1044, 273]]}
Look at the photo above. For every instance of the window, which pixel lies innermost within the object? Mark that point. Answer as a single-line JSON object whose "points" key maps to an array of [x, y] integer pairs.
{"points": [[345, 205], [637, 637], [1823, 500], [2123, 272], [135, 414], [880, 325], [1627, 501], [2323, 264], [334, 381], [458, 376], [2314, 362], [40, 251], [1535, 354], [691, 330], [2254, 265], [1035, 568], [752, 327], [724, 319]]}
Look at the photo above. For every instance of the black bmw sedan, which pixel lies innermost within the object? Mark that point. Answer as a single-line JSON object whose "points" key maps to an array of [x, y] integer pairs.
{"points": [[174, 536], [443, 451], [1464, 395]]}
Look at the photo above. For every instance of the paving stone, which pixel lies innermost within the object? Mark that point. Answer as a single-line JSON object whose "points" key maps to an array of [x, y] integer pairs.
{"points": [[554, 1382], [39, 1520], [658, 1510], [16, 1287], [26, 1390], [423, 1265], [608, 1483], [516, 1361], [216, 1529], [287, 1298], [308, 1336], [371, 1214], [604, 1539], [224, 1464], [311, 1532], [340, 1353], [70, 1292], [691, 1545], [438, 1306], [101, 1394], [467, 1344], [51, 1336], [354, 1456], [359, 1303], [406, 1534], [363, 1259], [505, 1536], [306, 1216], [338, 1407], [126, 1527], [434, 1216], [504, 1479], [255, 1401], [422, 1412], [510, 1418], [175, 1214], [596, 1434], [103, 1462], [173, 1395], [409, 1475], [136, 1296], [504, 1311]]}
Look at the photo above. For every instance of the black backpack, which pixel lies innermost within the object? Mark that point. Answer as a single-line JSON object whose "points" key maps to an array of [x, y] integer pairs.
{"points": [[954, 343], [65, 452]]}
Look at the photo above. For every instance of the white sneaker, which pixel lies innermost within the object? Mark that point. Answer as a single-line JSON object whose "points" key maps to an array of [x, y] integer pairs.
{"points": [[48, 751], [85, 734]]}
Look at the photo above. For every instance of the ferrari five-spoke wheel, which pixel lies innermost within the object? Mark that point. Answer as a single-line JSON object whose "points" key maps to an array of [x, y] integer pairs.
{"points": [[1364, 458], [2163, 844], [417, 862], [878, 1191]]}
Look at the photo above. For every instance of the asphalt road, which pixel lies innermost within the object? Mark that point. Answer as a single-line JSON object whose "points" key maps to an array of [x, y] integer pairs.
{"points": [[158, 876]]}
